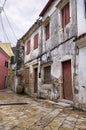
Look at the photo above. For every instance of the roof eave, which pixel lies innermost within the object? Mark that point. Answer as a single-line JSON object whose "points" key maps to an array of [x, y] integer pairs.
{"points": [[46, 8]]}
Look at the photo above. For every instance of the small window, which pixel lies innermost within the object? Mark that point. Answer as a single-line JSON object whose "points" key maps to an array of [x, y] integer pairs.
{"points": [[12, 60], [36, 41], [65, 14], [47, 75], [28, 47], [47, 31], [6, 64]]}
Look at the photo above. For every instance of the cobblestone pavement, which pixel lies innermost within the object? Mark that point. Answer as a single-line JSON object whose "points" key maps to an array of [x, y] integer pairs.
{"points": [[19, 112]]}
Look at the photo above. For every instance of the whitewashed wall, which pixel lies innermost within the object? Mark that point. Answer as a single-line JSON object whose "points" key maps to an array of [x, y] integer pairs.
{"points": [[82, 75], [33, 52], [81, 20]]}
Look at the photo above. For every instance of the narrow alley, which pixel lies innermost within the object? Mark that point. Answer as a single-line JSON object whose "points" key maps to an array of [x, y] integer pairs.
{"points": [[19, 112]]}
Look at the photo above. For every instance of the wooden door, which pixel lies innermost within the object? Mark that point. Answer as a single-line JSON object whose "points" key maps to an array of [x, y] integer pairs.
{"points": [[67, 80], [35, 80], [26, 75]]}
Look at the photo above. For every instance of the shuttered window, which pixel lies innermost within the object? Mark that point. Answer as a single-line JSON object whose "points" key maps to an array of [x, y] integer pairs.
{"points": [[26, 74], [36, 41], [65, 14], [28, 47], [47, 31], [47, 75]]}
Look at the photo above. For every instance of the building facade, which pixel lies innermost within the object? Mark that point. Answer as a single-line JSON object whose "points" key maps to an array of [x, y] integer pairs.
{"points": [[80, 86], [4, 59], [7, 49], [50, 67]]}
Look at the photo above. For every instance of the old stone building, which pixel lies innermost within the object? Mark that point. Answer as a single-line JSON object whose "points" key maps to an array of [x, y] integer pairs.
{"points": [[50, 68]]}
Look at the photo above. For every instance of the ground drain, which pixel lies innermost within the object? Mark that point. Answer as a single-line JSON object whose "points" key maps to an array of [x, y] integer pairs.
{"points": [[7, 104]]}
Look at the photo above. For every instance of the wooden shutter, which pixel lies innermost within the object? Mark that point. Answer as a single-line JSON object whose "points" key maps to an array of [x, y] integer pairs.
{"points": [[65, 14], [47, 32], [63, 17], [26, 74], [36, 41], [28, 47]]}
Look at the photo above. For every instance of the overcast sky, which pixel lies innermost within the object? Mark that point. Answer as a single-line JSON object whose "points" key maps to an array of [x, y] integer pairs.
{"points": [[21, 14]]}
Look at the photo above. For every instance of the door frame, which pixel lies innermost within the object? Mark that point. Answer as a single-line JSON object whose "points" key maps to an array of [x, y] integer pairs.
{"points": [[34, 68], [62, 93]]}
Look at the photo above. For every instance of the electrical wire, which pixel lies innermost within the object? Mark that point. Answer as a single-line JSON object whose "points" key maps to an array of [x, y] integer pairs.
{"points": [[4, 29], [2, 7], [4, 4], [10, 24]]}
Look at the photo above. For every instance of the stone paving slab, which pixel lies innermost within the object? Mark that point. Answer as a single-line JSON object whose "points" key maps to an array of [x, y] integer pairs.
{"points": [[37, 114]]}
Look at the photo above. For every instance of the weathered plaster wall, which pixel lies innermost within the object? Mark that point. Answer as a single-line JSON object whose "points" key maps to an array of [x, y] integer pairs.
{"points": [[82, 76], [29, 88], [33, 53], [60, 53]]}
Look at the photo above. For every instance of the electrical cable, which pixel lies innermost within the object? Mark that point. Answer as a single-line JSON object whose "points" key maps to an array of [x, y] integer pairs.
{"points": [[2, 7], [10, 24], [4, 30], [4, 4]]}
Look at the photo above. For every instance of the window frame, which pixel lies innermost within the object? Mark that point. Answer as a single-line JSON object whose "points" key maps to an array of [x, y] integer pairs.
{"points": [[49, 81], [6, 64], [65, 14], [36, 39], [28, 47], [47, 31]]}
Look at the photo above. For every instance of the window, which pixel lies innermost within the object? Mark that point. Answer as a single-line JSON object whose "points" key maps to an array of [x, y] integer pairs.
{"points": [[47, 75], [65, 14], [36, 41], [12, 60], [47, 31], [28, 47], [6, 64]]}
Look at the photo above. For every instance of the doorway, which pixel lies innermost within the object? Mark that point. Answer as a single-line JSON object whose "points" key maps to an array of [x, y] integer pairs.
{"points": [[35, 80], [67, 80]]}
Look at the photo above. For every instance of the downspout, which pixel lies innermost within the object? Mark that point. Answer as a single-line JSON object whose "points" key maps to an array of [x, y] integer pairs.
{"points": [[75, 55], [39, 21]]}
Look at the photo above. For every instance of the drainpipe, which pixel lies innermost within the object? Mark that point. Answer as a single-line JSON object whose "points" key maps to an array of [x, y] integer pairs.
{"points": [[75, 55], [39, 21]]}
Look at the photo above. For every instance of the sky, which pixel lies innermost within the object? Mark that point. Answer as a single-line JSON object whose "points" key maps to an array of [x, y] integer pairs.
{"points": [[21, 15]]}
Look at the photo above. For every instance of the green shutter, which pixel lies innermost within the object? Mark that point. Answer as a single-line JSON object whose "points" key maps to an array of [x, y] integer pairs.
{"points": [[12, 60]]}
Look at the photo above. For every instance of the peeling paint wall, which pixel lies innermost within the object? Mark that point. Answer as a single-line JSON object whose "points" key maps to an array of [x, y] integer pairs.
{"points": [[80, 93], [31, 60], [56, 51], [80, 76], [33, 53]]}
